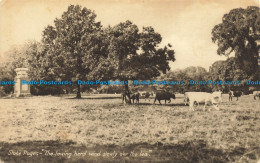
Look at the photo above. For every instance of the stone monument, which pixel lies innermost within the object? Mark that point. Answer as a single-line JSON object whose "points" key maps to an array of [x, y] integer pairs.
{"points": [[21, 90]]}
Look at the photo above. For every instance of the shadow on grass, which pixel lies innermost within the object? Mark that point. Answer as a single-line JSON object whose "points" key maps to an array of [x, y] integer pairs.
{"points": [[171, 104], [91, 98], [58, 152], [156, 104]]}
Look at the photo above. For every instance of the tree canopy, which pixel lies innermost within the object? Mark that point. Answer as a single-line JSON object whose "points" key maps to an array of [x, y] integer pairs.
{"points": [[238, 33], [132, 54], [78, 48], [69, 44], [229, 70]]}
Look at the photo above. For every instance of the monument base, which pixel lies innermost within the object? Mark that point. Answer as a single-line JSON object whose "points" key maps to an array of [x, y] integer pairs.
{"points": [[22, 95], [21, 90]]}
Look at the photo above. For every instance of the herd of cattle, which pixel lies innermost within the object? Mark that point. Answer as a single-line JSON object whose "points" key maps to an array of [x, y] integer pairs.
{"points": [[191, 98]]}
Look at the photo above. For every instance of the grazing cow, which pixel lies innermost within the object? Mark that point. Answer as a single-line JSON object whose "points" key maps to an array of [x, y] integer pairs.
{"points": [[147, 95], [234, 94], [163, 96], [186, 98], [133, 96], [256, 94], [202, 97]]}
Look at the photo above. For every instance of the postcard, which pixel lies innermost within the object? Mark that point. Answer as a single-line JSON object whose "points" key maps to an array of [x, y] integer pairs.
{"points": [[129, 81]]}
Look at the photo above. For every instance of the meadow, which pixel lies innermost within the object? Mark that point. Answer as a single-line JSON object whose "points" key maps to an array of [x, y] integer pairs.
{"points": [[99, 128]]}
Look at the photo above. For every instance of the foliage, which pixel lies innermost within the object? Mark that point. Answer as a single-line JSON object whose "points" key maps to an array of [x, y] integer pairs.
{"points": [[238, 33], [5, 89], [132, 54], [70, 44], [230, 70], [185, 75]]}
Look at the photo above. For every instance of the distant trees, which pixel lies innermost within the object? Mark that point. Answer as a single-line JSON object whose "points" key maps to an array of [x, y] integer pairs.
{"points": [[238, 33], [229, 70], [185, 75]]}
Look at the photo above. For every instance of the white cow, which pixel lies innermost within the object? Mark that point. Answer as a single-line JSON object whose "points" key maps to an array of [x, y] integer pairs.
{"points": [[186, 98], [201, 97]]}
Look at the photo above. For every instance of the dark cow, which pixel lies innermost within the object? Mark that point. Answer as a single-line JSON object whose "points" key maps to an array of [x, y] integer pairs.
{"points": [[133, 96], [234, 94], [164, 96], [147, 95]]}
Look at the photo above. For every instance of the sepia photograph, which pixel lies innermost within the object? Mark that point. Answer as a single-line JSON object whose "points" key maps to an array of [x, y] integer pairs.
{"points": [[118, 81]]}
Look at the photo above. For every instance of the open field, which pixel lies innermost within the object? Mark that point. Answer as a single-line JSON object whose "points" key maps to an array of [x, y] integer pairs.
{"points": [[103, 128]]}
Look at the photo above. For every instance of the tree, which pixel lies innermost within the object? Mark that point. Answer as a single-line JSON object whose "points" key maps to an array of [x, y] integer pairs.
{"points": [[238, 32], [133, 55], [16, 57], [69, 50], [229, 70], [190, 73], [5, 75]]}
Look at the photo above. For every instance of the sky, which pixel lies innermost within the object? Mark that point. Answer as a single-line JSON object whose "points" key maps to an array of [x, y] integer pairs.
{"points": [[185, 24]]}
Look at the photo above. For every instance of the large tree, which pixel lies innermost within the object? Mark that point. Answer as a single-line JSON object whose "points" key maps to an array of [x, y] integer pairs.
{"points": [[132, 54], [69, 44], [238, 33]]}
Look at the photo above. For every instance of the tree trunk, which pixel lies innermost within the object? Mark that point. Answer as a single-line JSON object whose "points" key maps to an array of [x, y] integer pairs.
{"points": [[78, 92], [127, 93]]}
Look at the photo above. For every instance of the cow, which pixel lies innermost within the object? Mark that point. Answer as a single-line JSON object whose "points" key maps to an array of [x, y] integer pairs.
{"points": [[202, 97], [256, 94], [133, 96], [186, 98], [234, 94], [147, 95], [164, 96]]}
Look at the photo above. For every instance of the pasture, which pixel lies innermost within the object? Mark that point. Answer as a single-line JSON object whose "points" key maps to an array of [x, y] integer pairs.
{"points": [[105, 130]]}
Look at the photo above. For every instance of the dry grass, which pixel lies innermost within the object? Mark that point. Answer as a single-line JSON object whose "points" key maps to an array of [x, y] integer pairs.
{"points": [[172, 132]]}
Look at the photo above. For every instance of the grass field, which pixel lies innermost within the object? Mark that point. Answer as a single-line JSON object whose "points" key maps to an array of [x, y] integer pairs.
{"points": [[101, 129]]}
